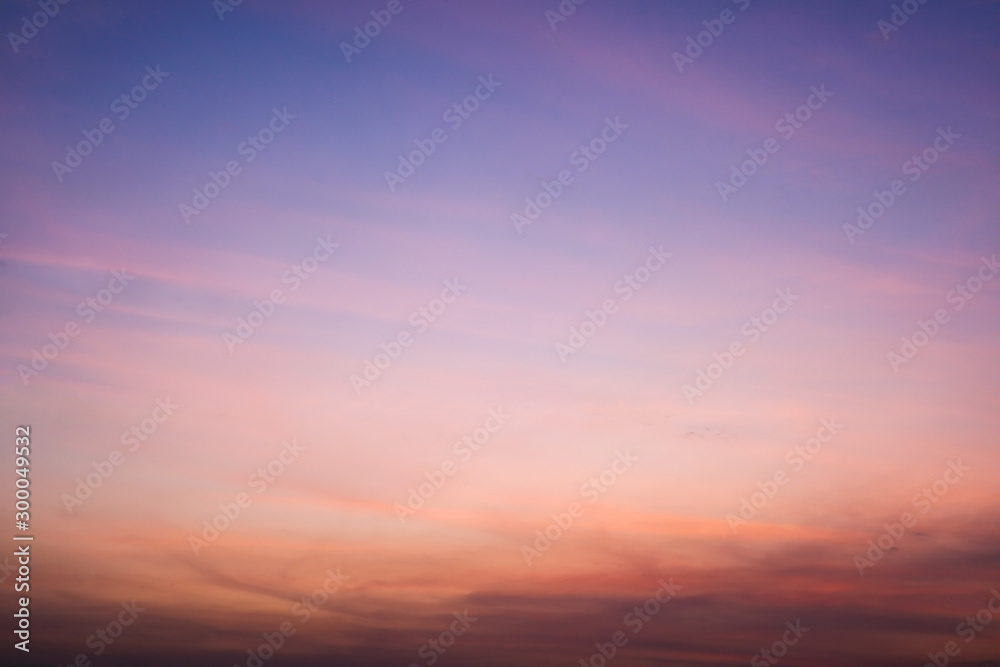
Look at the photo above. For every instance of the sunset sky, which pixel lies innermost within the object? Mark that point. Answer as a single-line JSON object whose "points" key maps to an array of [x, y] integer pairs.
{"points": [[702, 290]]}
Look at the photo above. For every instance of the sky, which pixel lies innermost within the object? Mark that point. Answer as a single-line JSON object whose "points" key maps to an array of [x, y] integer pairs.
{"points": [[489, 333]]}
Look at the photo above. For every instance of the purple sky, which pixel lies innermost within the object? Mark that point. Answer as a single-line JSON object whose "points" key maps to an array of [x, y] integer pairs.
{"points": [[396, 367]]}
